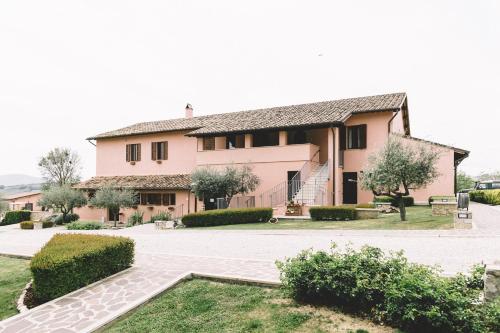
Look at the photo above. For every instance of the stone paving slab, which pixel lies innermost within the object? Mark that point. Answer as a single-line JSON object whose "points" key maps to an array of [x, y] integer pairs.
{"points": [[92, 307]]}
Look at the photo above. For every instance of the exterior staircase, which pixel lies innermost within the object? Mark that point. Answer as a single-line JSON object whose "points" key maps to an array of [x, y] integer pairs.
{"points": [[310, 188]]}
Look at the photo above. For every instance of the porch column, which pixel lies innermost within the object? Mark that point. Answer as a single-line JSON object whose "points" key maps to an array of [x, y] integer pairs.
{"points": [[331, 164], [248, 140], [282, 137], [338, 170]]}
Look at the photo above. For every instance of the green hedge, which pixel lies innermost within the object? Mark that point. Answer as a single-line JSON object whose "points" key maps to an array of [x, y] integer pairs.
{"points": [[408, 200], [490, 197], [389, 289], [27, 225], [71, 261], [333, 213], [81, 225], [16, 216], [227, 216], [366, 205], [47, 224]]}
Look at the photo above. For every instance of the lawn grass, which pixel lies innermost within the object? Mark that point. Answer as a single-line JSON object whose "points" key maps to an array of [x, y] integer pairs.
{"points": [[419, 218], [14, 275], [205, 306]]}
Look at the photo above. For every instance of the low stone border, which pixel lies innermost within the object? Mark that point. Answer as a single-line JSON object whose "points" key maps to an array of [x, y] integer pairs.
{"points": [[107, 321], [20, 301]]}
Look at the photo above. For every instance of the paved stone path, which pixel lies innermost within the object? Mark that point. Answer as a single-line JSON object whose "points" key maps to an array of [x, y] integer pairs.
{"points": [[163, 257]]}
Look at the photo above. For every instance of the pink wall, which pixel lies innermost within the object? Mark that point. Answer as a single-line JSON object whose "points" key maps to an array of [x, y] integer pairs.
{"points": [[111, 159], [19, 203]]}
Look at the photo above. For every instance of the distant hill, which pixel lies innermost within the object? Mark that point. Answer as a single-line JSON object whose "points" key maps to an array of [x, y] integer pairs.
{"points": [[19, 179]]}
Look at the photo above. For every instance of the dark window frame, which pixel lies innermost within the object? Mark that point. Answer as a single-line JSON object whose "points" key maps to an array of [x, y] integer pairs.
{"points": [[266, 139], [159, 151], [133, 152], [209, 143], [356, 137]]}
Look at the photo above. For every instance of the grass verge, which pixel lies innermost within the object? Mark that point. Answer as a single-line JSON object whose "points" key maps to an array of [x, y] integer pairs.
{"points": [[206, 306], [419, 218], [14, 275]]}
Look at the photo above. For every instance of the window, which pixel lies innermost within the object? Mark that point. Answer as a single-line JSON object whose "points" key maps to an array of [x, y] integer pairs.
{"points": [[158, 199], [495, 186], [353, 136], [209, 143], [159, 151], [262, 139], [151, 199], [169, 199], [297, 137], [235, 141], [133, 153]]}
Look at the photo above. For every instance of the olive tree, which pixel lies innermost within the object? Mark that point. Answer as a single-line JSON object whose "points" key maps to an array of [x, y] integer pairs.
{"points": [[113, 199], [64, 198], [211, 183], [4, 206], [61, 166], [398, 168]]}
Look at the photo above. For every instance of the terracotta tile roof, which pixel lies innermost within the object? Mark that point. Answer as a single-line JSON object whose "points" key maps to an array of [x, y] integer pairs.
{"points": [[20, 195], [312, 114], [151, 182], [457, 150]]}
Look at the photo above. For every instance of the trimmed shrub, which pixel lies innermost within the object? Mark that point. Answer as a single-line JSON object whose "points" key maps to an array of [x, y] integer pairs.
{"points": [[47, 224], [490, 197], [84, 225], [16, 216], [408, 200], [27, 225], [365, 205], [391, 290], [333, 213], [71, 261], [70, 217], [441, 198], [227, 216]]}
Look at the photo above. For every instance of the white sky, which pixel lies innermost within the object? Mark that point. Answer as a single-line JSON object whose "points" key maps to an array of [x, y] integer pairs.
{"points": [[72, 69]]}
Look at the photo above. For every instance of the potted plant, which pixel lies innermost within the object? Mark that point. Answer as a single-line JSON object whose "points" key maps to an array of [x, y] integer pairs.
{"points": [[293, 209]]}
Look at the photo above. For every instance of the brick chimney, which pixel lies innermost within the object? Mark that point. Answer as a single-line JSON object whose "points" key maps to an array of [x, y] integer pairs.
{"points": [[189, 111]]}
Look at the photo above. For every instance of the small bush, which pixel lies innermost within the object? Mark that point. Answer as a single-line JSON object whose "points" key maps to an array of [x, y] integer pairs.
{"points": [[365, 205], [71, 261], [136, 218], [84, 225], [161, 216], [389, 289], [408, 200], [333, 213], [490, 197], [70, 217], [16, 216], [27, 225], [47, 224], [441, 198], [227, 216]]}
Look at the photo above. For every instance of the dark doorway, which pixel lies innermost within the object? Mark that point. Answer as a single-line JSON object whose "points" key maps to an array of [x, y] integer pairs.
{"points": [[111, 214], [210, 203], [293, 183], [350, 188]]}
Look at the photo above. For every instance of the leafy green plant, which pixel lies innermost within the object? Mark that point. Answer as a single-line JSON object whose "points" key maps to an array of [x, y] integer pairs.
{"points": [[161, 216], [227, 216], [84, 225], [389, 289], [16, 216], [333, 213], [113, 199], [63, 198], [490, 197], [47, 224], [70, 261], [136, 218], [27, 225]]}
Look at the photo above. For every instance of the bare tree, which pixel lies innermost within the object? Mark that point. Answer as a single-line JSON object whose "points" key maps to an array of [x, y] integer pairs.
{"points": [[61, 166]]}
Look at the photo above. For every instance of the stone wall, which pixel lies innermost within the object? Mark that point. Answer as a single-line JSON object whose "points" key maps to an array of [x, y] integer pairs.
{"points": [[443, 208], [492, 282]]}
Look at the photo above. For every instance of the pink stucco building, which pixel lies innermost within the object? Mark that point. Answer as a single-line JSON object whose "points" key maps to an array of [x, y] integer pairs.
{"points": [[309, 153]]}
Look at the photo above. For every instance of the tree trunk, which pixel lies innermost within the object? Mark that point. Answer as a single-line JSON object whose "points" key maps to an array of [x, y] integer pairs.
{"points": [[402, 209], [114, 219]]}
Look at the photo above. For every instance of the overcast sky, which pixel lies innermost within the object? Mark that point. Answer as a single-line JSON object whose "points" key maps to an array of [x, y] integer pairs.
{"points": [[72, 69]]}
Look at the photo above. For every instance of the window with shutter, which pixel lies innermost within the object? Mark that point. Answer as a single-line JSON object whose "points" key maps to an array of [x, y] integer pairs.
{"points": [[133, 152], [169, 199], [209, 143], [356, 137], [342, 139], [159, 151]]}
